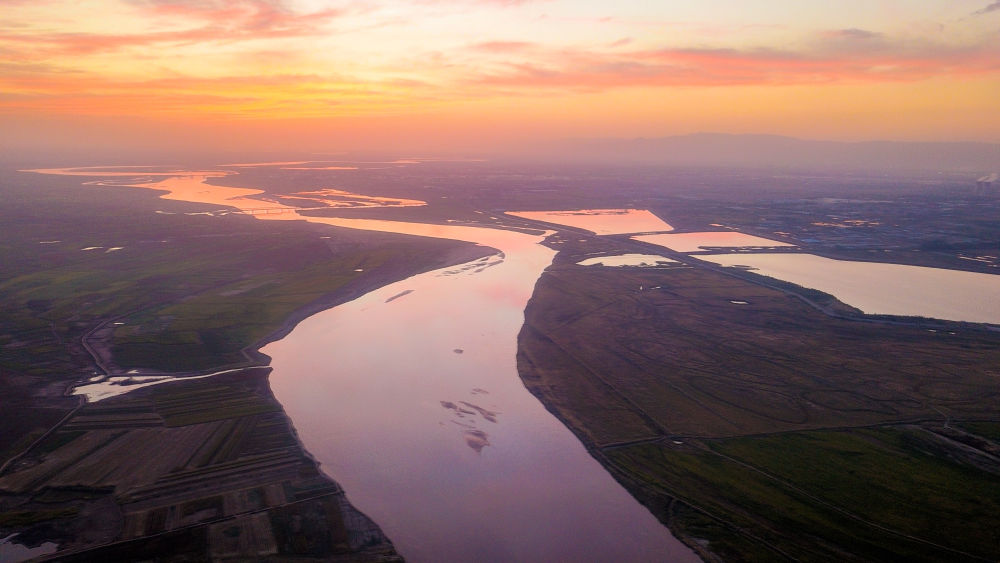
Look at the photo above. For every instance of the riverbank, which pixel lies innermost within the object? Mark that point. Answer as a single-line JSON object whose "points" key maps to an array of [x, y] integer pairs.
{"points": [[755, 425]]}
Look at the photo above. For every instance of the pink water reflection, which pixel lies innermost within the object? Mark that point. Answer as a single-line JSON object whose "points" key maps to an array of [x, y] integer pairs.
{"points": [[694, 242], [601, 221], [375, 379], [889, 289]]}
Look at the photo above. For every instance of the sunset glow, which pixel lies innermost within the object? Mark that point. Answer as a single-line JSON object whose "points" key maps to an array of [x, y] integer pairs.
{"points": [[322, 75]]}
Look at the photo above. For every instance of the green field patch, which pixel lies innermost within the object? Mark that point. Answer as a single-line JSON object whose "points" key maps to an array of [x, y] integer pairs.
{"points": [[887, 476], [823, 496]]}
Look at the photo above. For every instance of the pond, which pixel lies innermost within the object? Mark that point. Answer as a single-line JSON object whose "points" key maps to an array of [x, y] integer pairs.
{"points": [[889, 289], [695, 242]]}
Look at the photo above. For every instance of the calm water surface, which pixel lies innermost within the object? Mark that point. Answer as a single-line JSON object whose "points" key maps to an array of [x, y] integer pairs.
{"points": [[890, 289], [600, 221], [410, 398], [694, 242]]}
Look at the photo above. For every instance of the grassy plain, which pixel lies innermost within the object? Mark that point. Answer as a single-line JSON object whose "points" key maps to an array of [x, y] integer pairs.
{"points": [[759, 428]]}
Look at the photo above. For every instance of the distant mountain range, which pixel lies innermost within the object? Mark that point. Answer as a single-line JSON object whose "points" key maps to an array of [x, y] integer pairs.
{"points": [[717, 149]]}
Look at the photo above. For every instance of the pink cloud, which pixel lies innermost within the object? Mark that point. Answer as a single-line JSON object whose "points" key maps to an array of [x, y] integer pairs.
{"points": [[839, 57], [853, 34], [480, 2], [208, 21], [503, 46], [249, 16], [231, 96]]}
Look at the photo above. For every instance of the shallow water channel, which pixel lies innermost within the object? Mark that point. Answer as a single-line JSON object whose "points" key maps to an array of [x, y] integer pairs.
{"points": [[887, 289]]}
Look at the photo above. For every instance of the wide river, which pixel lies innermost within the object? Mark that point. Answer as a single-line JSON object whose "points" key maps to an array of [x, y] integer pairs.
{"points": [[409, 397]]}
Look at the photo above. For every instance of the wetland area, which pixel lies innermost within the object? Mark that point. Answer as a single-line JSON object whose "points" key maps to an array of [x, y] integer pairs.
{"points": [[378, 370]]}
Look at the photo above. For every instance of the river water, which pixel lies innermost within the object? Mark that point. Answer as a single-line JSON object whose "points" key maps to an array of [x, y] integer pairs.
{"points": [[600, 221], [409, 397], [695, 242]]}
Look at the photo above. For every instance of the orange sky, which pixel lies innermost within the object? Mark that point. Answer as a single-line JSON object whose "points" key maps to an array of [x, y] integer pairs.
{"points": [[483, 74]]}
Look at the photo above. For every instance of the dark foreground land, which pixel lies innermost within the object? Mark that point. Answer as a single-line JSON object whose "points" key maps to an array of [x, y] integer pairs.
{"points": [[765, 429], [183, 471], [196, 470]]}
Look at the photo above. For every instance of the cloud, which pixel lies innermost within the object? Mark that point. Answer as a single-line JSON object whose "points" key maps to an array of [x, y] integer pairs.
{"points": [[501, 3], [994, 7], [229, 97], [852, 40], [854, 34], [195, 21], [258, 16], [86, 43], [95, 73], [821, 64], [503, 46]]}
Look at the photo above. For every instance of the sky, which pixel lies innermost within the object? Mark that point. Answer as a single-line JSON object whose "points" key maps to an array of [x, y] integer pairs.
{"points": [[324, 75]]}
